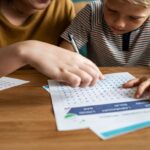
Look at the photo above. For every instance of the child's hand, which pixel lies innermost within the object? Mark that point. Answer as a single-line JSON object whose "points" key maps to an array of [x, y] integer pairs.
{"points": [[143, 84], [61, 65]]}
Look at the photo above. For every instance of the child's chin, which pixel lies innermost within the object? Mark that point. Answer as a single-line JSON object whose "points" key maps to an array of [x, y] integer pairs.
{"points": [[41, 5], [117, 32]]}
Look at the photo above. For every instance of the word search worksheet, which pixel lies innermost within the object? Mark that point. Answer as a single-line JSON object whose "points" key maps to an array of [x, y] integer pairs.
{"points": [[106, 100]]}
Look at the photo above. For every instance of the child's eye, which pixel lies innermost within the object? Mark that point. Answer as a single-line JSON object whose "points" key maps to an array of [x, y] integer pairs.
{"points": [[112, 11], [134, 18]]}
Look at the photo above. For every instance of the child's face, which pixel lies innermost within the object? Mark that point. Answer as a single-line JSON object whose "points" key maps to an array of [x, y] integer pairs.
{"points": [[123, 17], [35, 4]]}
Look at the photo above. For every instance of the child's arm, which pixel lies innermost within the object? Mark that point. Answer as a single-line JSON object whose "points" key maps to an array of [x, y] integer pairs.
{"points": [[10, 59], [56, 63], [143, 84]]}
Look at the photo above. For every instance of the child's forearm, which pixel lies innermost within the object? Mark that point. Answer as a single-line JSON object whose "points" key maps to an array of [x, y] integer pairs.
{"points": [[10, 59]]}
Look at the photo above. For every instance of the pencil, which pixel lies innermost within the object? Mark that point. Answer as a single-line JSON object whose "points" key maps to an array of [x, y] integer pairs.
{"points": [[71, 38]]}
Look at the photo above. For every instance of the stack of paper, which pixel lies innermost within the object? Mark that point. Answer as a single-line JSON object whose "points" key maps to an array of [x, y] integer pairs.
{"points": [[106, 108]]}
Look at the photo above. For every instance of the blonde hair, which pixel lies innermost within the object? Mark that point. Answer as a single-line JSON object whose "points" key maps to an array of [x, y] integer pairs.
{"points": [[145, 3]]}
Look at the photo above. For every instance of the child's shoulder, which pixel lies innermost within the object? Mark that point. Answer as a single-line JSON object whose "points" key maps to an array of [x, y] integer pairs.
{"points": [[95, 6], [96, 10], [97, 3], [61, 4]]}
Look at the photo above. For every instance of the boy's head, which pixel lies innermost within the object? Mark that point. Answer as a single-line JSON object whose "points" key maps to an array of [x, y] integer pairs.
{"points": [[145, 3], [123, 16]]}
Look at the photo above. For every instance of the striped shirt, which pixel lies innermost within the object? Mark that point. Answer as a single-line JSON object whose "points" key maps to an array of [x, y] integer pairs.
{"points": [[104, 47]]}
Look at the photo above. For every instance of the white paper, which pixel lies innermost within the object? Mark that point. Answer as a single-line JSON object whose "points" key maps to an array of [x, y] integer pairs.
{"points": [[7, 82], [107, 128], [107, 99]]}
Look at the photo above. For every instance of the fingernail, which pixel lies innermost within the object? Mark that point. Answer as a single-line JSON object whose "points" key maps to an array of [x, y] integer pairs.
{"points": [[101, 77], [137, 96]]}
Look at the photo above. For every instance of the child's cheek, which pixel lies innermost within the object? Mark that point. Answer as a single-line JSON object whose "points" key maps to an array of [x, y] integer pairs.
{"points": [[108, 19]]}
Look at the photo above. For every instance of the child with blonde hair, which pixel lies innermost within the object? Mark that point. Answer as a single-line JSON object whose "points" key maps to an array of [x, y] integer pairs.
{"points": [[117, 33]]}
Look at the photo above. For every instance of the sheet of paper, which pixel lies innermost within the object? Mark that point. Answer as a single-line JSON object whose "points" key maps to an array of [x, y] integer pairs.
{"points": [[113, 132], [7, 82], [72, 106], [107, 128]]}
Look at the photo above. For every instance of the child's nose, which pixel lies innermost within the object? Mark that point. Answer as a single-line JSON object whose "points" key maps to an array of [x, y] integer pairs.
{"points": [[119, 23]]}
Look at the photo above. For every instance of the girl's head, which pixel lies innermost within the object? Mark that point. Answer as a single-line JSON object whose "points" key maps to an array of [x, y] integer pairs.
{"points": [[123, 16], [36, 4], [27, 5]]}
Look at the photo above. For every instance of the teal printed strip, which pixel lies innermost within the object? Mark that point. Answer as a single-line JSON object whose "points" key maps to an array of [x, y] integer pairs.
{"points": [[112, 133], [46, 87]]}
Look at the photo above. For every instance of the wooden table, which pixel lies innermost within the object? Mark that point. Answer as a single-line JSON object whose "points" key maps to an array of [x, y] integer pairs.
{"points": [[27, 120]]}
